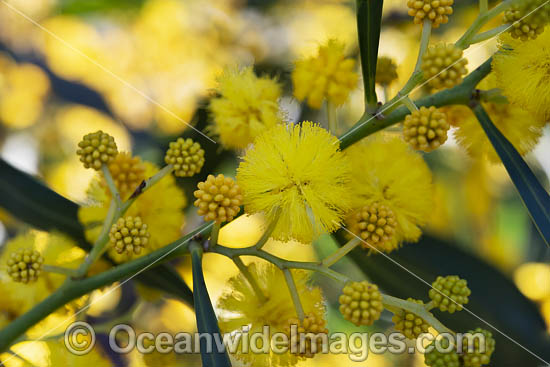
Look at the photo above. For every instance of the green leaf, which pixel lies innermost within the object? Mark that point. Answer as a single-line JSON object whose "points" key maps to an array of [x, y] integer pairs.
{"points": [[206, 317], [532, 193], [34, 203], [369, 19], [494, 297], [30, 201]]}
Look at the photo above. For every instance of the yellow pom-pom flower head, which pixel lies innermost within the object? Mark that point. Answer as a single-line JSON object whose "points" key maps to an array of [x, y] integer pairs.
{"points": [[402, 184], [449, 293], [299, 172], [298, 331], [240, 305], [375, 224], [410, 324], [329, 75], [426, 129], [523, 76], [186, 156], [218, 198], [96, 149], [436, 11], [477, 348], [361, 303], [246, 106], [386, 70], [129, 235], [25, 265], [522, 129], [127, 172], [443, 65]]}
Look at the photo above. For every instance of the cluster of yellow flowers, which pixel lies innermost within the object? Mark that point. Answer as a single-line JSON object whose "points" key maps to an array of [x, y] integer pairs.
{"points": [[300, 180]]}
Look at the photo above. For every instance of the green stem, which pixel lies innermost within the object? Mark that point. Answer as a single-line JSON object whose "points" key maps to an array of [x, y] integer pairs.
{"points": [[59, 270], [460, 94], [111, 185], [418, 309], [483, 6], [250, 278], [269, 230], [413, 81], [215, 234], [332, 119], [146, 185], [294, 294], [466, 40], [76, 288], [489, 34], [409, 104], [279, 262], [101, 242], [341, 252], [424, 40]]}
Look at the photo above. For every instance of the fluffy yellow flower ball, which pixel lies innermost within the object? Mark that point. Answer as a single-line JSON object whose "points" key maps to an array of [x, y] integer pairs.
{"points": [[519, 126], [246, 106], [240, 305], [299, 172], [328, 75], [403, 184], [522, 74]]}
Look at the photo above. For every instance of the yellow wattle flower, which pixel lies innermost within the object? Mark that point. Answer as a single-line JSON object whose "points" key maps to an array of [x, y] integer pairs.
{"points": [[247, 105], [403, 184], [328, 75], [240, 306], [17, 298], [161, 207], [301, 171], [522, 74], [519, 126]]}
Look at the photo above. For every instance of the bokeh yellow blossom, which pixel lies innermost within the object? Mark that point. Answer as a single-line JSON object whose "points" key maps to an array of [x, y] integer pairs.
{"points": [[240, 306], [402, 183], [247, 106], [23, 91], [300, 172], [328, 75]]}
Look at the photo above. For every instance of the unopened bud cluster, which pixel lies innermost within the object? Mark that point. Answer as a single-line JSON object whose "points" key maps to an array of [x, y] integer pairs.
{"points": [[375, 224], [437, 11], [443, 65], [25, 265], [97, 149], [361, 303], [449, 293], [310, 324], [186, 156], [218, 198], [410, 324], [426, 129], [129, 235]]}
